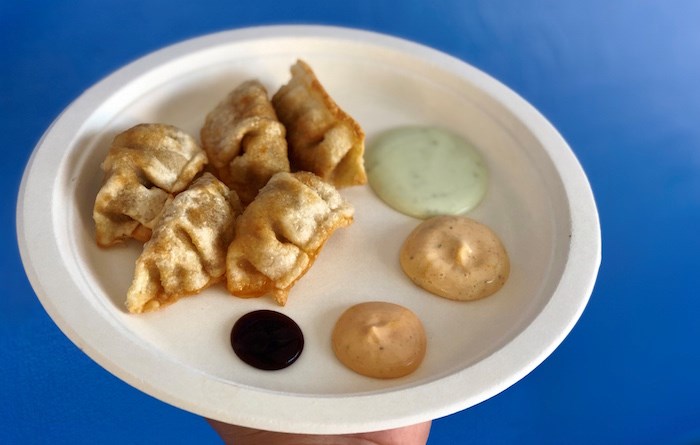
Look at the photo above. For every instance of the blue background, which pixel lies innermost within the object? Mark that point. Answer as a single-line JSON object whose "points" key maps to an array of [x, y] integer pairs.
{"points": [[619, 79]]}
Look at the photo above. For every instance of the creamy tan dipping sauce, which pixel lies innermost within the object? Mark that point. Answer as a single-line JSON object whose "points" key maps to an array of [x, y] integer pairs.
{"points": [[380, 340], [455, 257]]}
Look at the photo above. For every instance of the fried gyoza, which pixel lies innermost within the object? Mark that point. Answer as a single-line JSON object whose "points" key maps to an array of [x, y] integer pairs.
{"points": [[322, 138], [281, 232], [244, 140], [145, 165], [187, 251]]}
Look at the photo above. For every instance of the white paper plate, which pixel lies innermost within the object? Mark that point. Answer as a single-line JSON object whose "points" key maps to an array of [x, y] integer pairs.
{"points": [[539, 202]]}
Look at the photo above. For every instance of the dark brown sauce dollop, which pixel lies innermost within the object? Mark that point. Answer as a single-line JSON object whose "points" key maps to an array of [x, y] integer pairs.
{"points": [[267, 340]]}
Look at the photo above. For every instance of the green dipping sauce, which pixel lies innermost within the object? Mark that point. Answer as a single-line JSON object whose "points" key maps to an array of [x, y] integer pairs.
{"points": [[426, 171]]}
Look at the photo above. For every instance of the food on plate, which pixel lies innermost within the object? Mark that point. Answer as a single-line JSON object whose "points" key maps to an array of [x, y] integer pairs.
{"points": [[455, 257], [280, 234], [267, 340], [187, 251], [244, 140], [322, 138], [426, 171], [145, 165], [379, 339]]}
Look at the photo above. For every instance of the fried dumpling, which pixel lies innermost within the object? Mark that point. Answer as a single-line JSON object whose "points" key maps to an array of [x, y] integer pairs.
{"points": [[322, 138], [244, 140], [187, 251], [145, 165], [280, 234]]}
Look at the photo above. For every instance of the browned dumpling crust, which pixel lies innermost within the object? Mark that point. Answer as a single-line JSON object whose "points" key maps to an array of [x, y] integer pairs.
{"points": [[145, 166], [187, 251], [280, 234], [244, 140], [322, 138]]}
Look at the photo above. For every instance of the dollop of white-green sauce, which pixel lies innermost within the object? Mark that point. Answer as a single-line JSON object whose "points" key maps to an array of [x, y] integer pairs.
{"points": [[426, 171]]}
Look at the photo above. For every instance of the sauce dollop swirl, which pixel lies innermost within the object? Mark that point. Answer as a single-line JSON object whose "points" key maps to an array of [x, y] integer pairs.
{"points": [[455, 257], [379, 339]]}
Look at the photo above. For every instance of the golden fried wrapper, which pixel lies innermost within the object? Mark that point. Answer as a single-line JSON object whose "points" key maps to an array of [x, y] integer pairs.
{"points": [[322, 138], [145, 165], [280, 234], [244, 140], [187, 251]]}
